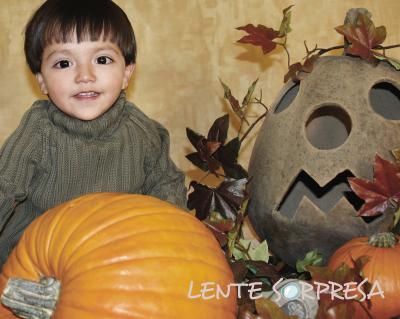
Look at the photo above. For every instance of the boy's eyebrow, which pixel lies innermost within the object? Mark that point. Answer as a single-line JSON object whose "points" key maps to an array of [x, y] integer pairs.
{"points": [[67, 51], [56, 51]]}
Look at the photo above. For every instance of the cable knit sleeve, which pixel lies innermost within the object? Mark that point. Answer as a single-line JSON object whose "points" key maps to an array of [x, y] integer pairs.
{"points": [[163, 179], [18, 158]]}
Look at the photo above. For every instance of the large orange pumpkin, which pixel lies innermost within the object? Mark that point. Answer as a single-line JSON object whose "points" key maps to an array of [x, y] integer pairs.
{"points": [[123, 256], [383, 266]]}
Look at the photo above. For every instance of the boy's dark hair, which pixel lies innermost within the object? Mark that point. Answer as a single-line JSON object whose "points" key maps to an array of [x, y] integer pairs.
{"points": [[59, 20]]}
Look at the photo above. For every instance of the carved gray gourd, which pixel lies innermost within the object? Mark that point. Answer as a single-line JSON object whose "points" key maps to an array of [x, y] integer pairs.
{"points": [[328, 127]]}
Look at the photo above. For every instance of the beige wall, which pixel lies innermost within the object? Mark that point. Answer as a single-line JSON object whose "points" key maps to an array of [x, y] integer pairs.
{"points": [[183, 47]]}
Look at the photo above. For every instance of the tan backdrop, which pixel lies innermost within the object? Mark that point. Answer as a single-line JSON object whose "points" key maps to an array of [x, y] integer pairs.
{"points": [[183, 47]]}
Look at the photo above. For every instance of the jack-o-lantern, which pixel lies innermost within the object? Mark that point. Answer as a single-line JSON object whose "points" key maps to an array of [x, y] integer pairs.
{"points": [[322, 130]]}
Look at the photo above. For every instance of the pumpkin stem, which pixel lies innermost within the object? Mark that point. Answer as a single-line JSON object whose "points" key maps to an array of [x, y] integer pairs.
{"points": [[29, 299], [383, 240]]}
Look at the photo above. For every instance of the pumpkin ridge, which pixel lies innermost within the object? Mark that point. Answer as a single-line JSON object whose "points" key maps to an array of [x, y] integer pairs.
{"points": [[33, 254], [95, 231], [117, 289], [55, 222], [212, 302], [112, 242], [22, 263], [90, 311], [111, 264], [206, 303], [181, 260], [168, 244], [128, 217], [72, 229]]}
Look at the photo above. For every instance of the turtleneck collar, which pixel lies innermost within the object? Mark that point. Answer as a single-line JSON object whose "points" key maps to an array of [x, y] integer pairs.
{"points": [[102, 126]]}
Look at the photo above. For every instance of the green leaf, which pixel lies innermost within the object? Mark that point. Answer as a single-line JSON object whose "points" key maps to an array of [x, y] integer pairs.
{"points": [[284, 29], [240, 252], [247, 248], [260, 252], [394, 62], [312, 258], [396, 218], [247, 99]]}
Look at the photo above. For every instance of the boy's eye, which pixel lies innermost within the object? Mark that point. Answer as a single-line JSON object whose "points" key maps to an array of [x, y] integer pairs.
{"points": [[103, 60], [62, 64]]}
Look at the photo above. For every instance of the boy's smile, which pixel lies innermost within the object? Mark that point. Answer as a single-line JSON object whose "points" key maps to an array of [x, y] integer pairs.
{"points": [[83, 79]]}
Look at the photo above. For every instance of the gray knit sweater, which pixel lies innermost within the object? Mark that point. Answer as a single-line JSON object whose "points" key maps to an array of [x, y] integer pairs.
{"points": [[52, 158]]}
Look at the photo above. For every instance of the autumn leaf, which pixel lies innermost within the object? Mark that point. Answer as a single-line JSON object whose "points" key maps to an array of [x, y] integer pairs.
{"points": [[219, 227], [219, 130], [396, 154], [381, 194], [206, 147], [339, 308], [260, 35], [296, 68], [267, 309], [363, 37], [262, 269], [339, 311], [308, 64], [232, 100], [239, 270], [225, 199], [203, 158], [245, 311], [227, 155], [212, 152]]}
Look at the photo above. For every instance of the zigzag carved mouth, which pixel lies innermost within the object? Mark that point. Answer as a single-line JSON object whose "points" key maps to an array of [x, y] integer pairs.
{"points": [[325, 197]]}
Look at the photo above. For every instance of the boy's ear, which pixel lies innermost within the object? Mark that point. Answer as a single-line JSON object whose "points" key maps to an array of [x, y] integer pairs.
{"points": [[128, 74], [42, 85]]}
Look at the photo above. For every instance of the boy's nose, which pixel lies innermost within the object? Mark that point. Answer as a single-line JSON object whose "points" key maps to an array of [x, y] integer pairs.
{"points": [[85, 73]]}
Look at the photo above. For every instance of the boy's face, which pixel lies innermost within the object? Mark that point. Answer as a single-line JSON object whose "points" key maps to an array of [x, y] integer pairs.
{"points": [[83, 79]]}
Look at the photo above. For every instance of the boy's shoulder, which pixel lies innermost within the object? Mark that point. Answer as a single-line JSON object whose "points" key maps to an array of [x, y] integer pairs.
{"points": [[37, 112], [143, 122]]}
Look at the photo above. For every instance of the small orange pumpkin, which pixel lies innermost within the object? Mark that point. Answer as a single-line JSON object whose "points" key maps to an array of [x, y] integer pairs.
{"points": [[383, 266], [123, 256]]}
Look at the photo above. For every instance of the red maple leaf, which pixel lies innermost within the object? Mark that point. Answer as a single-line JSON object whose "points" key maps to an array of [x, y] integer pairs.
{"points": [[260, 35], [383, 192], [296, 68], [363, 37]]}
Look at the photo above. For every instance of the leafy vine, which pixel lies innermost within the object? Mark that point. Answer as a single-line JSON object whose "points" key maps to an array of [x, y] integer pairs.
{"points": [[223, 208]]}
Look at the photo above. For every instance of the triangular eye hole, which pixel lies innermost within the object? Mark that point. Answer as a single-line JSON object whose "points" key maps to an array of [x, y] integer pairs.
{"points": [[385, 100], [287, 98]]}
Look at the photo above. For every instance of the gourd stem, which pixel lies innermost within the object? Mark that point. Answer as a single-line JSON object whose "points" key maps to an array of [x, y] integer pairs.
{"points": [[31, 300], [383, 240]]}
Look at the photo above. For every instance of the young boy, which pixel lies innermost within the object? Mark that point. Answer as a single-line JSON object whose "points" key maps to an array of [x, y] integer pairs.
{"points": [[86, 137]]}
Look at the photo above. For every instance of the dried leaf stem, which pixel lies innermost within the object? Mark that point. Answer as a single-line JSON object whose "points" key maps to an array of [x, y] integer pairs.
{"points": [[257, 101]]}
